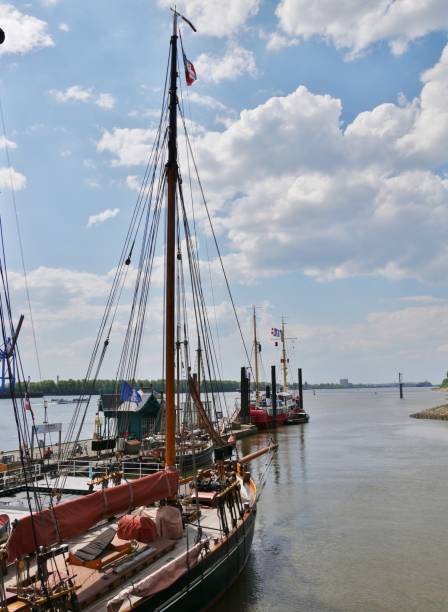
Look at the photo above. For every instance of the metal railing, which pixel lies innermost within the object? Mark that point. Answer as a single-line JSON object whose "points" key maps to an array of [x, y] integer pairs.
{"points": [[17, 477], [92, 469]]}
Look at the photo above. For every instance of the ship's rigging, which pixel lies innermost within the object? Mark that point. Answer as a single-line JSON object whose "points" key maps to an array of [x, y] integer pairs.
{"points": [[45, 565]]}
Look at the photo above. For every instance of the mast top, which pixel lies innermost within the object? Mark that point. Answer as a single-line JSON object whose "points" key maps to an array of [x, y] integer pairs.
{"points": [[176, 14]]}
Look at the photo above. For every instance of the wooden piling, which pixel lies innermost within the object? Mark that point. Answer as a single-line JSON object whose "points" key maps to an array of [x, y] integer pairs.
{"points": [[300, 389], [244, 391], [274, 394]]}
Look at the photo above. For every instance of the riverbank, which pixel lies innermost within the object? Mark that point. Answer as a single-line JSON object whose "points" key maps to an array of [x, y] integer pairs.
{"points": [[438, 412]]}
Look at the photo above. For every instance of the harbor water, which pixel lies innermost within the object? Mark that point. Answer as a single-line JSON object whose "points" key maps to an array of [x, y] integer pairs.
{"points": [[353, 517], [56, 413]]}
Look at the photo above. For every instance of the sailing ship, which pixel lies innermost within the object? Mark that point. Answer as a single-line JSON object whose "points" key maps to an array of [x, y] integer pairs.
{"points": [[139, 431], [293, 404], [264, 412], [274, 408], [159, 542]]}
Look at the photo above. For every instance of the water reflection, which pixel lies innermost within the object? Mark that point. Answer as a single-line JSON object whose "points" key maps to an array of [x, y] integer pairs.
{"points": [[354, 511]]}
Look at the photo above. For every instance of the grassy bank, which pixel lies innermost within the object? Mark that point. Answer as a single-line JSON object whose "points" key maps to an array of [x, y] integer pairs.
{"points": [[439, 412]]}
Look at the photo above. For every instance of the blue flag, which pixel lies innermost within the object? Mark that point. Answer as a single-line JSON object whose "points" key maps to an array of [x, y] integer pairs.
{"points": [[129, 394]]}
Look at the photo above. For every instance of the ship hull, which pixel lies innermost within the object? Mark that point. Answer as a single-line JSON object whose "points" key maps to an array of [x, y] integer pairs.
{"points": [[263, 420], [210, 578], [297, 419], [200, 459], [187, 461]]}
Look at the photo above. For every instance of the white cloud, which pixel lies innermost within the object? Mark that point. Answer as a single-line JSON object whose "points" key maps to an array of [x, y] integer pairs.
{"points": [[105, 100], [214, 17], [397, 339], [103, 216], [420, 299], [355, 25], [384, 342], [72, 282], [64, 27], [236, 62], [23, 32], [277, 41], [207, 101], [130, 146], [151, 113], [5, 143], [7, 175], [92, 183], [133, 182], [81, 94], [427, 138], [291, 189], [328, 202]]}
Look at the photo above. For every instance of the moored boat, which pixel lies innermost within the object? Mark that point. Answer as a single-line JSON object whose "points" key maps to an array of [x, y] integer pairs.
{"points": [[158, 542], [262, 411]]}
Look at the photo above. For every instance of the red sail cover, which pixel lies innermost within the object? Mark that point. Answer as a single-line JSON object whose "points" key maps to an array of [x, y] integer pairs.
{"points": [[74, 517]]}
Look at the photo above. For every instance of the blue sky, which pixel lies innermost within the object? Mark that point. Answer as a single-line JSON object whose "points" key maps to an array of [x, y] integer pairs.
{"points": [[321, 139]]}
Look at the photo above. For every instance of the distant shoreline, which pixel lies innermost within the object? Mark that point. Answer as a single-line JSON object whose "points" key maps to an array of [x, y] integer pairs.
{"points": [[439, 413]]}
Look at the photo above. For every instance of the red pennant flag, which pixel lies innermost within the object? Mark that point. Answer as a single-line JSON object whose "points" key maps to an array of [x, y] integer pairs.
{"points": [[190, 72]]}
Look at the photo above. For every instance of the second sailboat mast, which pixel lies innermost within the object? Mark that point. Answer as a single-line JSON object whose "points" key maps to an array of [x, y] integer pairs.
{"points": [[284, 362], [171, 174], [257, 392]]}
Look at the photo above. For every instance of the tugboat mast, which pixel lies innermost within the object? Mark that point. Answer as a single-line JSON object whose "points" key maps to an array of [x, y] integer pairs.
{"points": [[171, 178], [257, 392], [284, 362]]}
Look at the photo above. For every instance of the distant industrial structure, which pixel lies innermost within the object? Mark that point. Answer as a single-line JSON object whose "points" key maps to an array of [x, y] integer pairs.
{"points": [[344, 382]]}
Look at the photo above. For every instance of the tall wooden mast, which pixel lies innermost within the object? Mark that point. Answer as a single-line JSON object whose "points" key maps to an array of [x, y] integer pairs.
{"points": [[170, 276], [257, 392], [284, 362]]}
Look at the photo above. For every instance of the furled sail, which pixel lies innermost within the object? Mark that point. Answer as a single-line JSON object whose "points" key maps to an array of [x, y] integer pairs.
{"points": [[74, 517]]}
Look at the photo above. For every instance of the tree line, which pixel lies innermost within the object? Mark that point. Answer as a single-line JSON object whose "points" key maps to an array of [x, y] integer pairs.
{"points": [[73, 386], [77, 387]]}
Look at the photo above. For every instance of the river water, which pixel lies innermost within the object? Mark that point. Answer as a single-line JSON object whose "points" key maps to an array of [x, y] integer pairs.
{"points": [[56, 413], [354, 515]]}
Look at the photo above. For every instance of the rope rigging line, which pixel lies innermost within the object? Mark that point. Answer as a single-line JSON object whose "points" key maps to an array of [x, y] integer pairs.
{"points": [[219, 361], [202, 321], [19, 236], [216, 243], [17, 380], [102, 341]]}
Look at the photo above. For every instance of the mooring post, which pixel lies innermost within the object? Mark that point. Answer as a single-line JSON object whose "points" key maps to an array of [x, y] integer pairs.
{"points": [[268, 392], [244, 392], [300, 390], [274, 394], [400, 384]]}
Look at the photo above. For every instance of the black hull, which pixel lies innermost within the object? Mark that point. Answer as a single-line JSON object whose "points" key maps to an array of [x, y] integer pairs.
{"points": [[209, 580], [205, 457], [297, 419]]}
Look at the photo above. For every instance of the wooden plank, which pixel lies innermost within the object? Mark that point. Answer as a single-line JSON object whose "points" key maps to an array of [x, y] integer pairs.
{"points": [[100, 583], [97, 546]]}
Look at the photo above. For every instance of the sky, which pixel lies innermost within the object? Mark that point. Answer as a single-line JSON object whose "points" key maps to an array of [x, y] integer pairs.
{"points": [[320, 131]]}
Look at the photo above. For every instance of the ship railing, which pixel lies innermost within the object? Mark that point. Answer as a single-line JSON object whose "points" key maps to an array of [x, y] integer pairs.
{"points": [[18, 476], [93, 469]]}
